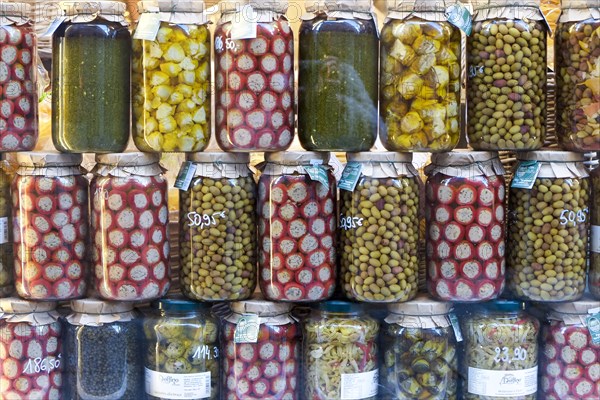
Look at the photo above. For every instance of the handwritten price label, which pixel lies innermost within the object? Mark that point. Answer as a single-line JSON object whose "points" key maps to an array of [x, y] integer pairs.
{"points": [[504, 354], [347, 223], [37, 365], [205, 353], [205, 220], [579, 217]]}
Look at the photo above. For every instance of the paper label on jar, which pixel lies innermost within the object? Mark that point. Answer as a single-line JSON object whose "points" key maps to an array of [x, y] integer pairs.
{"points": [[485, 382], [147, 27], [245, 26], [359, 386], [460, 16], [4, 230], [595, 239], [526, 175], [350, 176], [456, 327], [593, 324], [53, 27], [317, 173], [247, 329], [177, 386], [186, 174]]}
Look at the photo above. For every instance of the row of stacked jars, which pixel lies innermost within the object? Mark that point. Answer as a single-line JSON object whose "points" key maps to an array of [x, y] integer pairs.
{"points": [[256, 349], [291, 225], [338, 94]]}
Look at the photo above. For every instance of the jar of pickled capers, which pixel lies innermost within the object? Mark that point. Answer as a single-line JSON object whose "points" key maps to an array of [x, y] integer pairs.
{"points": [[182, 351], [420, 359]]}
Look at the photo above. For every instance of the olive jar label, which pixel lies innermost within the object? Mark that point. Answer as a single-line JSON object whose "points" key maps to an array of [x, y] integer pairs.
{"points": [[178, 386], [350, 176], [359, 386], [517, 383], [526, 175], [185, 176]]}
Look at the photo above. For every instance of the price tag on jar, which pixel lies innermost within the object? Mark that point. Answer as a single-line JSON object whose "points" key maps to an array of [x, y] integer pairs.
{"points": [[186, 174], [350, 176], [593, 324], [246, 24], [317, 172], [148, 27], [456, 327], [4, 230], [526, 175], [247, 329]]}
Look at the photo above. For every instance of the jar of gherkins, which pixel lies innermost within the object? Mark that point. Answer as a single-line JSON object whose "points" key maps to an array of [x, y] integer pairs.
{"points": [[217, 242], [337, 81], [506, 85], [500, 352], [340, 359], [420, 358], [91, 61], [171, 78], [548, 224], [420, 78], [594, 275], [577, 46], [103, 346], [6, 244], [379, 224], [182, 351]]}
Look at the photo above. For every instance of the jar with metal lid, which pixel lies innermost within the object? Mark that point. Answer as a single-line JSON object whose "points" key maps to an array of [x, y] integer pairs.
{"points": [[50, 226], [261, 344], [379, 227], [465, 212], [254, 77], [31, 347], [18, 87], [420, 78], [337, 81], [594, 274], [570, 356], [297, 227], [182, 351], [340, 359], [500, 352], [548, 227], [577, 49], [7, 285], [217, 223], [420, 358], [91, 58], [171, 78], [129, 219], [103, 346], [506, 85]]}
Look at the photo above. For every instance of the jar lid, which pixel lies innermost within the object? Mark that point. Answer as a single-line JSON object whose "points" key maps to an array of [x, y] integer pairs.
{"points": [[97, 306], [577, 4], [421, 305], [340, 5], [20, 10], [380, 156], [279, 6], [551, 156], [339, 306], [462, 157], [13, 305], [296, 157], [74, 8], [504, 305], [35, 159], [260, 307], [179, 304], [576, 307], [128, 159], [215, 157], [477, 4], [172, 6], [420, 5]]}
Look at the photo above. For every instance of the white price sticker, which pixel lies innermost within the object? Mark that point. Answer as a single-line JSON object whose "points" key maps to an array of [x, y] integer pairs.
{"points": [[4, 230], [595, 239], [359, 386], [177, 386], [485, 382], [148, 26]]}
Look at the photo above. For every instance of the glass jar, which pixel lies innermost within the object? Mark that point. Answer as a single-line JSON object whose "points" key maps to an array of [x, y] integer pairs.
{"points": [[50, 226], [379, 229], [261, 344], [577, 48], [91, 57], [182, 359], [18, 76], [30, 350], [500, 358], [465, 212], [7, 284], [548, 228], [340, 359], [594, 275], [338, 89], [506, 85], [420, 78], [130, 219], [255, 78], [171, 79], [420, 358], [103, 346], [297, 227], [217, 222], [570, 360]]}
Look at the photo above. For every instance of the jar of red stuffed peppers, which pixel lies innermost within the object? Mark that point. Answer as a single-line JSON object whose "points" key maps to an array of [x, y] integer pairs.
{"points": [[18, 78], [340, 353], [50, 226], [338, 76], [7, 285], [420, 78], [594, 274], [420, 357], [465, 213], [217, 222], [379, 228], [254, 77], [130, 225], [297, 227], [30, 350], [171, 77], [570, 356], [261, 357], [577, 46], [549, 223]]}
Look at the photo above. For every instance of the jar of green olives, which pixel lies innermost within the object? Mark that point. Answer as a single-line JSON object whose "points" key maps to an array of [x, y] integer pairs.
{"points": [[6, 247], [594, 275], [577, 75], [182, 357], [547, 251], [506, 85], [420, 78], [420, 359], [379, 228]]}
